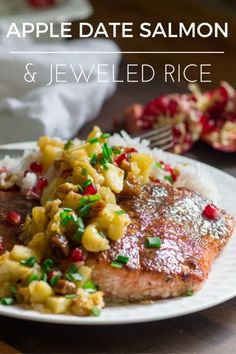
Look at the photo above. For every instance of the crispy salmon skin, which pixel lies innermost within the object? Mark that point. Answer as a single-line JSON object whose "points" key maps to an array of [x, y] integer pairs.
{"points": [[189, 245]]}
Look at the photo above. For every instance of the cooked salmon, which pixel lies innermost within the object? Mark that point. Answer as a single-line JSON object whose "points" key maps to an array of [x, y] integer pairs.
{"points": [[189, 245], [12, 200]]}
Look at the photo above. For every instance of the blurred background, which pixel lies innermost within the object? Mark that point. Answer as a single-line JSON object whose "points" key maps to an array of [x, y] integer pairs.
{"points": [[175, 11], [82, 111]]}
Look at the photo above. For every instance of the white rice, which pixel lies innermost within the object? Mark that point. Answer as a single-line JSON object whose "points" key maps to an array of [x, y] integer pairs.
{"points": [[192, 176], [196, 178]]}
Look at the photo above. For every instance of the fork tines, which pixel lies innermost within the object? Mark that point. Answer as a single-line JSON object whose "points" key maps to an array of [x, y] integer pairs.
{"points": [[160, 137]]}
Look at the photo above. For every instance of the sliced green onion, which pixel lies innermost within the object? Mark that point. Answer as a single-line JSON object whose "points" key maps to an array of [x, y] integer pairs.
{"points": [[105, 136], [107, 152], [120, 212], [73, 218], [116, 150], [93, 160], [159, 165], [80, 230], [80, 223], [87, 183], [80, 189], [72, 269], [153, 242], [102, 234], [29, 262], [90, 287], [117, 264], [93, 140], [74, 277], [7, 301], [84, 171], [68, 144], [94, 198], [44, 277], [96, 312], [66, 216], [48, 265], [189, 293], [83, 201], [169, 178], [122, 259], [32, 277], [70, 296], [55, 278], [84, 211], [13, 290], [106, 167]]}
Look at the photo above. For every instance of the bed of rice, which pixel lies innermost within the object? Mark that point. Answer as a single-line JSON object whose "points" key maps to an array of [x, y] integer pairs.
{"points": [[192, 176]]}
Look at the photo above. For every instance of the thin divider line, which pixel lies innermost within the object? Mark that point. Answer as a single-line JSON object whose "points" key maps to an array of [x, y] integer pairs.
{"points": [[118, 52]]}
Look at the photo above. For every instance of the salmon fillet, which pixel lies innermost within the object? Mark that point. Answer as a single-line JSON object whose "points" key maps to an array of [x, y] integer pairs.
{"points": [[189, 245], [12, 201]]}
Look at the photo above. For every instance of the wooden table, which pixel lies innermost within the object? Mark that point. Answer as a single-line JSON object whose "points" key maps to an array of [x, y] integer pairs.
{"points": [[210, 331]]}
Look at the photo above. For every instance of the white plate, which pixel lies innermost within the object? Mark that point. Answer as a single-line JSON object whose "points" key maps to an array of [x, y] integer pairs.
{"points": [[220, 287], [70, 10]]}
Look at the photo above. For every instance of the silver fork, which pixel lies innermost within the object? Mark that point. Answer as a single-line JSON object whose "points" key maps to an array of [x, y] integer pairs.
{"points": [[160, 137]]}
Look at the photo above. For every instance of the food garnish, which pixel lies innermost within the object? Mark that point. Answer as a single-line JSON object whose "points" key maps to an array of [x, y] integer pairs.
{"points": [[13, 217]]}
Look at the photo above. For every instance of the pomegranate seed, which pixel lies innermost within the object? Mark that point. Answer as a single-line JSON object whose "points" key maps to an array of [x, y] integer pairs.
{"points": [[124, 156], [130, 150], [41, 3], [13, 217], [1, 247], [176, 132], [77, 255], [90, 190], [157, 181], [211, 212], [208, 124], [167, 167], [40, 185], [119, 159], [36, 167], [174, 174]]}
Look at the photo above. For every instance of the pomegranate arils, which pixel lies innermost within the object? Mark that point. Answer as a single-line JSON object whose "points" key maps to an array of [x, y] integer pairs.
{"points": [[125, 156], [121, 158], [13, 217], [176, 132], [41, 3], [40, 185], [211, 212], [130, 150], [77, 255], [90, 190], [207, 123], [1, 247], [36, 167]]}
